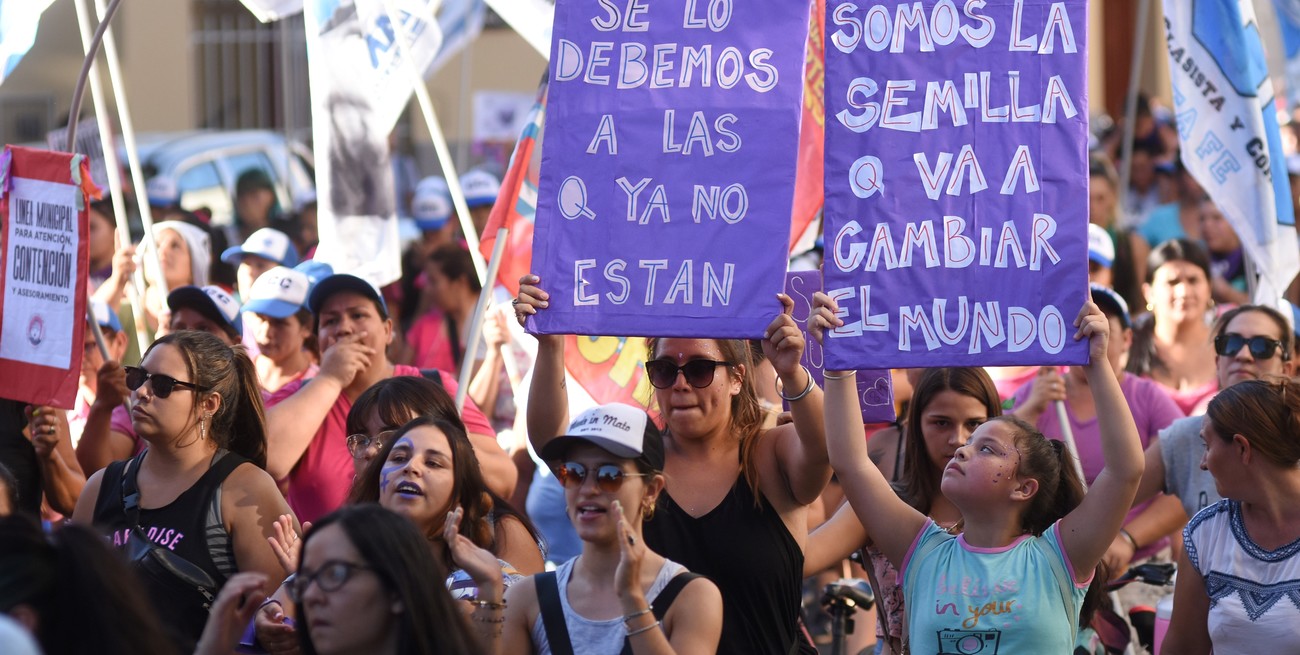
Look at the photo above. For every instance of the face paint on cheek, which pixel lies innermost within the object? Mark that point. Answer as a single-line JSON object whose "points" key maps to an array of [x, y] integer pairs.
{"points": [[389, 472]]}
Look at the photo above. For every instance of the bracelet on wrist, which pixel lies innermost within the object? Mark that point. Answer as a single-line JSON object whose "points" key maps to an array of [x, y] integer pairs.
{"points": [[844, 376], [1129, 538], [648, 628], [489, 619], [806, 390], [269, 601], [488, 604], [633, 615]]}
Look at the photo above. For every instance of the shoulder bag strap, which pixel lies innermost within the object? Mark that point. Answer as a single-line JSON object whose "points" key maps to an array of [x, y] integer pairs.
{"points": [[664, 600], [548, 598]]}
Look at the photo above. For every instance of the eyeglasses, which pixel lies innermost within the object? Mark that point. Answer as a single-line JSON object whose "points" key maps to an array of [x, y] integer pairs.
{"points": [[609, 478], [359, 444], [1231, 343], [162, 384], [698, 372], [329, 577]]}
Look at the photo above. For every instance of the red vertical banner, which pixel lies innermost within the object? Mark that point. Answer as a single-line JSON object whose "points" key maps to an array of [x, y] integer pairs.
{"points": [[43, 260], [809, 196]]}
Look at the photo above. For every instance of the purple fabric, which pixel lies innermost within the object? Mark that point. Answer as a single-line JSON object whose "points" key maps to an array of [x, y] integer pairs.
{"points": [[1153, 410], [875, 387], [936, 262], [664, 208]]}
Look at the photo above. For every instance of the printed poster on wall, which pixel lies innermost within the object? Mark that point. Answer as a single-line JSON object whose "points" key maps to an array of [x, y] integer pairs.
{"points": [[956, 182], [43, 261], [665, 193]]}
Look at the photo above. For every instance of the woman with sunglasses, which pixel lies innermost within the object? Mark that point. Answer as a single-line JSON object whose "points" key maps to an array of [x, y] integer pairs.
{"points": [[610, 461], [1251, 342], [736, 499], [199, 493], [1239, 576]]}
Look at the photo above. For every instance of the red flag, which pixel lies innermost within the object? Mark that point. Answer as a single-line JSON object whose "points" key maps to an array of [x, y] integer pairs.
{"points": [[516, 205], [43, 260], [808, 193]]}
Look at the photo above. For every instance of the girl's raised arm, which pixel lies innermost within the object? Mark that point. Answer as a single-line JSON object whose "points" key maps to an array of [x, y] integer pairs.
{"points": [[1088, 531], [892, 523]]}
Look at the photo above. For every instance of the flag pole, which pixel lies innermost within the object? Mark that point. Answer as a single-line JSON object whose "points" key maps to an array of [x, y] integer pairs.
{"points": [[476, 324], [403, 43], [1130, 101], [112, 168], [128, 140]]}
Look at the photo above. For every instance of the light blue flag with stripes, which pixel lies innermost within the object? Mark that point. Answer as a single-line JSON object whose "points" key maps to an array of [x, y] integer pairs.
{"points": [[18, 22], [1228, 131]]}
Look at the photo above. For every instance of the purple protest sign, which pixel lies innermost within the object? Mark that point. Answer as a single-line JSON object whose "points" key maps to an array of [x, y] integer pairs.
{"points": [[956, 182], [668, 166], [875, 388]]}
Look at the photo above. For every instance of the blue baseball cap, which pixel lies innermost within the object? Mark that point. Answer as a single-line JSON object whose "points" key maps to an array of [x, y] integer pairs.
{"points": [[267, 243], [315, 270], [431, 206], [344, 282], [279, 293], [106, 317], [1111, 303]]}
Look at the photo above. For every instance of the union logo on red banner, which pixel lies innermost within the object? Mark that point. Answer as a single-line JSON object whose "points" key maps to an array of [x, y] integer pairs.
{"points": [[43, 261]]}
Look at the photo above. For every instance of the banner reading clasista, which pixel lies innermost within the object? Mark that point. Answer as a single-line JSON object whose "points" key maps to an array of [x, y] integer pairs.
{"points": [[956, 182], [667, 173], [43, 259]]}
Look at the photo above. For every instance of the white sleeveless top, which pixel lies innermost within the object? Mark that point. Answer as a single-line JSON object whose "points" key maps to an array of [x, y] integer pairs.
{"points": [[594, 637], [1254, 593]]}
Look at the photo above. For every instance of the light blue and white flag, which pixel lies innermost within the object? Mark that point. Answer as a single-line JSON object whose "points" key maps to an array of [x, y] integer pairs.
{"points": [[1228, 130], [18, 22], [1288, 22]]}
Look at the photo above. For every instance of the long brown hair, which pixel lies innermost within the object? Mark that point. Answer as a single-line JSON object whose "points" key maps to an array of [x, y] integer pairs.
{"points": [[239, 424], [1048, 461], [918, 484], [746, 421]]}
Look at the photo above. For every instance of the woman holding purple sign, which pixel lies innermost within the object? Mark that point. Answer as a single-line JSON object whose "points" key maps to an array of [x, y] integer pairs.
{"points": [[736, 499]]}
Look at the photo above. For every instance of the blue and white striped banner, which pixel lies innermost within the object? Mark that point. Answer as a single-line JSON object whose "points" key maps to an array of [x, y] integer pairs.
{"points": [[1228, 130]]}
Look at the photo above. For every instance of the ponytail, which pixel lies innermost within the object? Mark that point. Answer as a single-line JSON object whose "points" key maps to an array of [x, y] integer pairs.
{"points": [[247, 432], [1049, 462]]}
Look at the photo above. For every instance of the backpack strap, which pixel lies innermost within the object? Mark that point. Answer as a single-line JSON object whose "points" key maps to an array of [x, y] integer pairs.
{"points": [[665, 600], [548, 598]]}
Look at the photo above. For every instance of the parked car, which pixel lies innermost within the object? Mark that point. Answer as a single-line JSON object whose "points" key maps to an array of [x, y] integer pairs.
{"points": [[202, 166]]}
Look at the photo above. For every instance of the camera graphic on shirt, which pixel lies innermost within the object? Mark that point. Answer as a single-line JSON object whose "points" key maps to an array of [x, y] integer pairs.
{"points": [[969, 642]]}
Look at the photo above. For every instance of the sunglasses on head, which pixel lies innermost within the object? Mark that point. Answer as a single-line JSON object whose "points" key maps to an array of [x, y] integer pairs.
{"points": [[162, 384], [698, 372], [1231, 343], [609, 478]]}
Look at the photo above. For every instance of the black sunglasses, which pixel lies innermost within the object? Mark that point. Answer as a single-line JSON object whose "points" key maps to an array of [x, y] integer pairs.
{"points": [[162, 384], [1231, 343], [609, 478], [698, 372]]}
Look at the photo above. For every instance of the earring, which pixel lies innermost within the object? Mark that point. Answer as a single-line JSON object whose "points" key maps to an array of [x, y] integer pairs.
{"points": [[647, 512], [203, 426]]}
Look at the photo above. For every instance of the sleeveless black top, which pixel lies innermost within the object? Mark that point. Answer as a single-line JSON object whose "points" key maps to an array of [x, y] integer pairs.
{"points": [[190, 526], [748, 552]]}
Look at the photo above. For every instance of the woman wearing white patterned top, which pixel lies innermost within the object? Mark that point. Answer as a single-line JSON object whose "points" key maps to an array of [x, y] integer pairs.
{"points": [[1239, 581]]}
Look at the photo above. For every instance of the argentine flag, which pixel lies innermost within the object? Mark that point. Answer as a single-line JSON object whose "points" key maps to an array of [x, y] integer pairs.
{"points": [[18, 21], [1228, 130]]}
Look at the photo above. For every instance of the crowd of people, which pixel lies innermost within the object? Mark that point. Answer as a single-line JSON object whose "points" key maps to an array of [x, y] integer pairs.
{"points": [[284, 467]]}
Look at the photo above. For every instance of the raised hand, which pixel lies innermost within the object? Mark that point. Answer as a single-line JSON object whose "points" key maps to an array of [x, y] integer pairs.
{"points": [[631, 551], [345, 358], [110, 389], [45, 425], [286, 544], [783, 342], [239, 599], [481, 565], [1093, 325], [531, 298]]}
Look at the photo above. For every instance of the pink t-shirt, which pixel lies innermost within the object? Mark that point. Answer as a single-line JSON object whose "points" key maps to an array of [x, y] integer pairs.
{"points": [[429, 342], [319, 482], [121, 422], [1153, 410]]}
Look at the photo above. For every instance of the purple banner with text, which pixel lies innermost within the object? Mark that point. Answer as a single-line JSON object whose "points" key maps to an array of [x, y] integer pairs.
{"points": [[667, 176], [956, 182], [875, 388]]}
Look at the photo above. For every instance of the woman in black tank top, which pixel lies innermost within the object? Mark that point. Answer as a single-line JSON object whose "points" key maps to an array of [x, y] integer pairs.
{"points": [[198, 493], [735, 505]]}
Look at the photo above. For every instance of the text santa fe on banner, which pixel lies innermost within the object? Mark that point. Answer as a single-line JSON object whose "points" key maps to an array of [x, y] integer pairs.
{"points": [[668, 167], [956, 182], [44, 259]]}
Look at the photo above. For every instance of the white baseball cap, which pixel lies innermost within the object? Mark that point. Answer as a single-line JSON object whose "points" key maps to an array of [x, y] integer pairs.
{"points": [[278, 293], [480, 188], [267, 243], [210, 301], [1101, 248], [620, 429], [431, 206]]}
